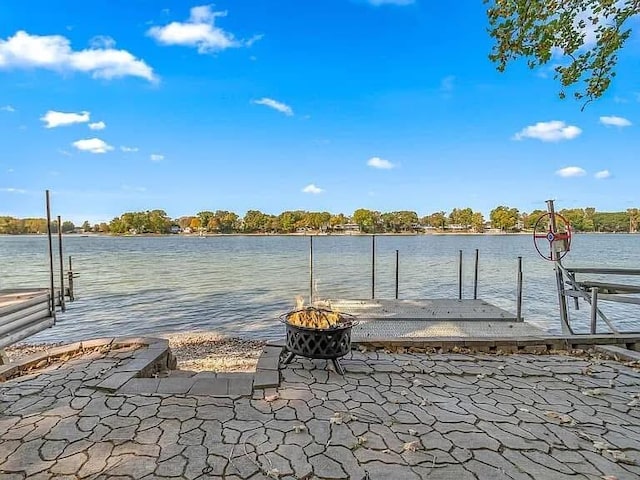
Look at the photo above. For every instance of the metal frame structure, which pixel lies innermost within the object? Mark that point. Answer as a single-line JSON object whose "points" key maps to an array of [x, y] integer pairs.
{"points": [[591, 292]]}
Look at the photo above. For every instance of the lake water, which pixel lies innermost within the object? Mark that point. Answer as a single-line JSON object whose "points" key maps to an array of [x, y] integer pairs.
{"points": [[238, 285]]}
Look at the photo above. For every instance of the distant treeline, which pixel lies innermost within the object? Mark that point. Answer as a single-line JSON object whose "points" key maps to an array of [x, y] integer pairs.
{"points": [[502, 218]]}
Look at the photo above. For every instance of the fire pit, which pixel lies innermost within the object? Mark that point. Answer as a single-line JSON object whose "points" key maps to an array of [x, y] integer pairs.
{"points": [[318, 333]]}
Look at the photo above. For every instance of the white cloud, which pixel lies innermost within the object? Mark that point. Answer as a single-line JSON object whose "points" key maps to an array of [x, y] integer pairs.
{"points": [[8, 108], [447, 83], [567, 172], [93, 145], [602, 174], [199, 31], [377, 162], [155, 157], [552, 131], [54, 52], [614, 121], [13, 190], [102, 41], [129, 149], [276, 105], [390, 2], [311, 188], [54, 119], [97, 125]]}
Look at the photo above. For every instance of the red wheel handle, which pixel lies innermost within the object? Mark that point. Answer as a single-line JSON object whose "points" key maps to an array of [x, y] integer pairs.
{"points": [[552, 237]]}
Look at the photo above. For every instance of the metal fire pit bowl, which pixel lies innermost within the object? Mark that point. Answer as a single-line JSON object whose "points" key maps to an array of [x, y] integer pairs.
{"points": [[321, 343]]}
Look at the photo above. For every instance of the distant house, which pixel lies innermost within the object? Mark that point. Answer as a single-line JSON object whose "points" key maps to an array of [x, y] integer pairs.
{"points": [[175, 228], [347, 228], [187, 230], [457, 227]]}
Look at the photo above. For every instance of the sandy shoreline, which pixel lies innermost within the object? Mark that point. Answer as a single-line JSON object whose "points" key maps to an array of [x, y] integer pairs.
{"points": [[195, 351]]}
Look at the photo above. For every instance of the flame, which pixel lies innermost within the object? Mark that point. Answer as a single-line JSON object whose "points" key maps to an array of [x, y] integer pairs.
{"points": [[299, 302], [311, 318]]}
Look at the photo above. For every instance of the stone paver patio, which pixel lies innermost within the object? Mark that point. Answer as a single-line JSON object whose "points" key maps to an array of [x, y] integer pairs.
{"points": [[392, 417]]}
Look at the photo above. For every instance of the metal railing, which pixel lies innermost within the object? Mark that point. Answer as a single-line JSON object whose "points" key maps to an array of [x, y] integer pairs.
{"points": [[594, 292], [460, 276]]}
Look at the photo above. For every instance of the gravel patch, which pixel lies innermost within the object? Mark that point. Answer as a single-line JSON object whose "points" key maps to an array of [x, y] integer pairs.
{"points": [[195, 351]]}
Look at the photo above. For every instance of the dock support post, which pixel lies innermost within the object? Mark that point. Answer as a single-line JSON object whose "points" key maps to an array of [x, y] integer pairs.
{"points": [[475, 277], [519, 292], [594, 309], [61, 258], [373, 267], [70, 280], [562, 300], [50, 242], [460, 276], [397, 271], [311, 270]]}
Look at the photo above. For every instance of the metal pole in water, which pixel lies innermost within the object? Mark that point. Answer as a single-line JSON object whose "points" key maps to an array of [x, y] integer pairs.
{"points": [[594, 309], [70, 278], [62, 300], [460, 276], [51, 283], [397, 271], [519, 293], [373, 267], [311, 270], [475, 278]]}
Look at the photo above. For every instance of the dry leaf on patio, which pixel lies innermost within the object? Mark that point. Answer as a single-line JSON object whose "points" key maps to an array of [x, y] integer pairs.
{"points": [[386, 450], [273, 473], [412, 446], [525, 410], [362, 440], [601, 446], [620, 457], [404, 393], [417, 382], [480, 376], [609, 477], [412, 432], [272, 398], [612, 384], [566, 379], [633, 403], [559, 416], [300, 428], [594, 392]]}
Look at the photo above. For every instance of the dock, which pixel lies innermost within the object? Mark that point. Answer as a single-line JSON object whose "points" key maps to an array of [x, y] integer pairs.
{"points": [[389, 320]]}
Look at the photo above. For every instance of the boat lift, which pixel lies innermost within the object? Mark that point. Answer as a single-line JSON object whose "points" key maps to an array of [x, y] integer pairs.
{"points": [[556, 239]]}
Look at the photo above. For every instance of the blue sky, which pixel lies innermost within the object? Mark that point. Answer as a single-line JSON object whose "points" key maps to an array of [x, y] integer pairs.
{"points": [[322, 105]]}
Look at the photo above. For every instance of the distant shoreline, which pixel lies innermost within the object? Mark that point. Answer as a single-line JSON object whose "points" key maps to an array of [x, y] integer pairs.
{"points": [[310, 234]]}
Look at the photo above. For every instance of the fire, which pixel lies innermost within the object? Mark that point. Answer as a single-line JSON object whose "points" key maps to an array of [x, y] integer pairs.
{"points": [[311, 317]]}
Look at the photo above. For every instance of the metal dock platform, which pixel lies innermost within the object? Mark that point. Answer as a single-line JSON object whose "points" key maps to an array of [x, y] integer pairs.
{"points": [[404, 319]]}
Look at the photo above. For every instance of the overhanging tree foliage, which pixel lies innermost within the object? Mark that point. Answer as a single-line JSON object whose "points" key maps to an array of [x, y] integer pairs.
{"points": [[582, 37]]}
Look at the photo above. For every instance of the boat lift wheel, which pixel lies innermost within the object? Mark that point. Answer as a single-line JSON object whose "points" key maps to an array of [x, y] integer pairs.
{"points": [[559, 242]]}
